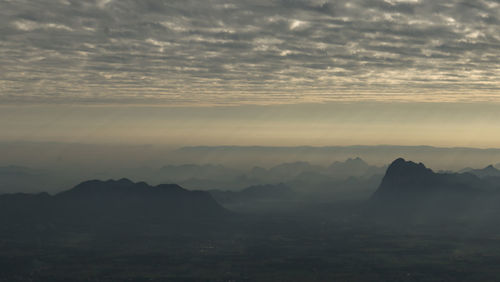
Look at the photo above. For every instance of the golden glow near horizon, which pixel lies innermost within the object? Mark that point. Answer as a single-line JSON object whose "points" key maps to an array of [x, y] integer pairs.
{"points": [[437, 124]]}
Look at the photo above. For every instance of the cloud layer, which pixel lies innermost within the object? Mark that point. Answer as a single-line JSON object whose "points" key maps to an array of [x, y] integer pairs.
{"points": [[248, 51]]}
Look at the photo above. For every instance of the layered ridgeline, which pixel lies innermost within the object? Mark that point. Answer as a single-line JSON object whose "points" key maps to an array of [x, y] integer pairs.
{"points": [[107, 204], [489, 171], [410, 192], [259, 198], [254, 193]]}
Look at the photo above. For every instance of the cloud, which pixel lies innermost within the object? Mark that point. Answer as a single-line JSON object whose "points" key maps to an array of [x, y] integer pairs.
{"points": [[242, 51]]}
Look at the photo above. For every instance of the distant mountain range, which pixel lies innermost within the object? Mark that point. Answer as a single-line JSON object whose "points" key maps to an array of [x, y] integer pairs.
{"points": [[489, 171], [268, 192], [192, 176], [351, 179], [451, 157], [289, 183], [352, 167], [210, 176], [258, 198]]}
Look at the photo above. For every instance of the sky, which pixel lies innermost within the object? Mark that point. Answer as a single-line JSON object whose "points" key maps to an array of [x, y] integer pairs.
{"points": [[274, 72]]}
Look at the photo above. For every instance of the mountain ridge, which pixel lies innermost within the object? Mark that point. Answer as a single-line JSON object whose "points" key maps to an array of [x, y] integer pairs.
{"points": [[103, 205]]}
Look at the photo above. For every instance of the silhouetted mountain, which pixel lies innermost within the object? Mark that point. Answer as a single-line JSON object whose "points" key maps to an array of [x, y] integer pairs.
{"points": [[106, 204], [414, 193], [124, 197]]}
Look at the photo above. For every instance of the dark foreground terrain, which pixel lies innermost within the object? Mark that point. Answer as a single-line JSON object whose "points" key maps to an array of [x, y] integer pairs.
{"points": [[276, 249], [293, 247], [410, 230]]}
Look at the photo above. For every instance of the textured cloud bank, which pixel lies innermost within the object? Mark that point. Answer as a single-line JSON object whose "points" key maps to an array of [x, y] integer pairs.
{"points": [[225, 52]]}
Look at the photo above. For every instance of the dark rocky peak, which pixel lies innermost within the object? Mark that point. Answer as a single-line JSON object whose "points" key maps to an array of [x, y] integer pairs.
{"points": [[406, 177], [402, 168]]}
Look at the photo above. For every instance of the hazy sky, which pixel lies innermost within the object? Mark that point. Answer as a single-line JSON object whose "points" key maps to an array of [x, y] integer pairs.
{"points": [[198, 72]]}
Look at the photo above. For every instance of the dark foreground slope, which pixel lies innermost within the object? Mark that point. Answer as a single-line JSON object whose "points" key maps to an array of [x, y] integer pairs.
{"points": [[412, 193], [107, 206]]}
